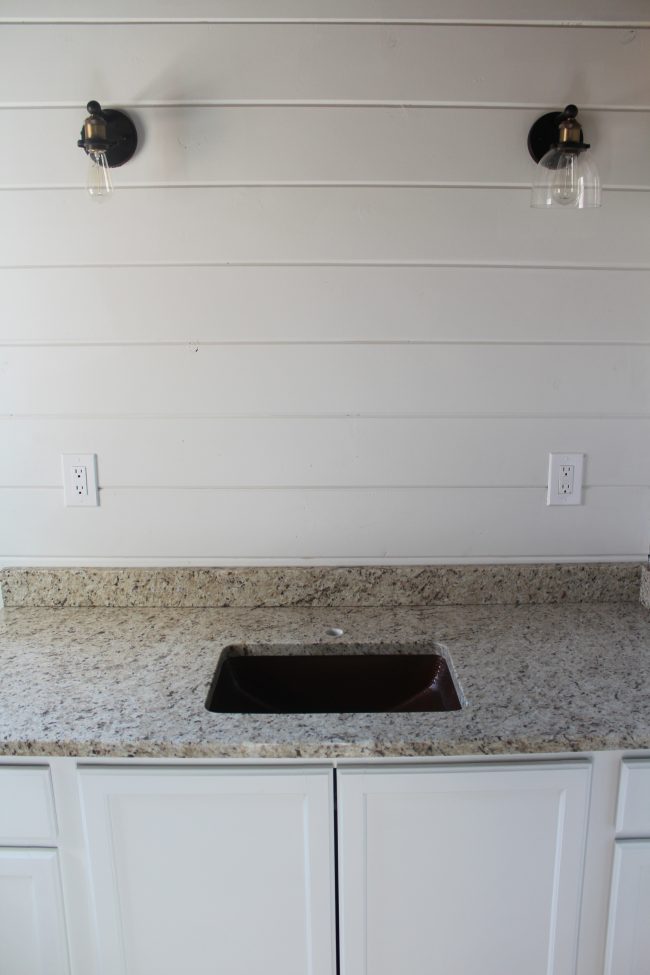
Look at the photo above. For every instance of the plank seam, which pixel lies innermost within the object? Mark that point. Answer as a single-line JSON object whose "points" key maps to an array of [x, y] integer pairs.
{"points": [[323, 487], [197, 343], [597, 416], [330, 22], [324, 103], [488, 265], [308, 184]]}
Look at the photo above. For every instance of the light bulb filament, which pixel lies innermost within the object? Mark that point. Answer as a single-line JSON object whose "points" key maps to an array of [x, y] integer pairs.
{"points": [[566, 185], [99, 183]]}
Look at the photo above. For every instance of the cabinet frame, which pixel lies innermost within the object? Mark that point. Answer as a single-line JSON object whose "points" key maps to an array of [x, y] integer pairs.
{"points": [[73, 860]]}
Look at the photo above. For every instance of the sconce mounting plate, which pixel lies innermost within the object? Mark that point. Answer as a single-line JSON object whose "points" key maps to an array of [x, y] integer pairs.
{"points": [[543, 133], [121, 132]]}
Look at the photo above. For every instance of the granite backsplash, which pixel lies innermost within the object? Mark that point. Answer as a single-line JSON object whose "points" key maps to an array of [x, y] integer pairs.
{"points": [[324, 586]]}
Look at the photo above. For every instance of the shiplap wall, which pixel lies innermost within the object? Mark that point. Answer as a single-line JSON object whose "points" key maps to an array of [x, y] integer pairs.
{"points": [[319, 320]]}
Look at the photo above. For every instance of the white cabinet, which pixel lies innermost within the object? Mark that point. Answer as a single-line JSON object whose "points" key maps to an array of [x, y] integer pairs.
{"points": [[461, 869], [628, 943], [198, 869], [26, 806], [628, 930], [32, 929], [33, 937]]}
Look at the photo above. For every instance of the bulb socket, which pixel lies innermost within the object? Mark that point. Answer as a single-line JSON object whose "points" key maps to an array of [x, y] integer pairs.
{"points": [[556, 129], [109, 131]]}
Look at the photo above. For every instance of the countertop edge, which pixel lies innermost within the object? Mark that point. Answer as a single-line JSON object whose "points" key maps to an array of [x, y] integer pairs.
{"points": [[321, 751]]}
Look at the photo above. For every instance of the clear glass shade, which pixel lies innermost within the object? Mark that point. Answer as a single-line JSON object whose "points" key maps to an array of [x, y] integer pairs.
{"points": [[566, 178]]}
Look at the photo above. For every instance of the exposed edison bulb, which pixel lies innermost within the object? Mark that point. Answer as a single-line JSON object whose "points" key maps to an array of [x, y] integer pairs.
{"points": [[99, 183], [566, 177], [566, 184]]}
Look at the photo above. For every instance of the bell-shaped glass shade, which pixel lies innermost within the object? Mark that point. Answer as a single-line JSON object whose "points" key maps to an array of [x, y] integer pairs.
{"points": [[566, 178]]}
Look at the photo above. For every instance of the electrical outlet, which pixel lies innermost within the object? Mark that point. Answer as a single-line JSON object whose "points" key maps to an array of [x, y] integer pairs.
{"points": [[565, 478], [79, 480]]}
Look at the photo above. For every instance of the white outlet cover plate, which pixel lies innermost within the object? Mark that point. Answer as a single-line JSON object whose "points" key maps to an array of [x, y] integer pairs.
{"points": [[70, 498], [555, 462]]}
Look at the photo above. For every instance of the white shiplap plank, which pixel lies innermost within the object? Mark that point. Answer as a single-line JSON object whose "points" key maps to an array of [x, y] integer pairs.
{"points": [[325, 379], [322, 524], [200, 62], [203, 145], [316, 225], [292, 452], [562, 11], [327, 304]]}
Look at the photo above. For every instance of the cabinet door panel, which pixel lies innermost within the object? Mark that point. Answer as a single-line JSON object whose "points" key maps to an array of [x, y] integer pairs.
{"points": [[205, 870], [633, 810], [628, 938], [32, 930], [26, 806], [462, 870]]}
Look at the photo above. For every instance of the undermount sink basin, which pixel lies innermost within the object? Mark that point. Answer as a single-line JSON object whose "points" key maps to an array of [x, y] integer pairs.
{"points": [[317, 683]]}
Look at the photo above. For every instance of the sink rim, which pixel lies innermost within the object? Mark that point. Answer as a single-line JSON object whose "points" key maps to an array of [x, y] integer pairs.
{"points": [[441, 685]]}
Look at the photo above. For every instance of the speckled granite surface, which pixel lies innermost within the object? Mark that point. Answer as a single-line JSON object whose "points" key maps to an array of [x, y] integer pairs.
{"points": [[326, 586], [134, 682], [645, 586]]}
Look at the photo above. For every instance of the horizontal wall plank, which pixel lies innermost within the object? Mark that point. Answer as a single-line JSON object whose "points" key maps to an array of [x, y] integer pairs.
{"points": [[202, 145], [285, 524], [478, 452], [264, 63], [327, 304], [580, 11], [235, 380], [316, 225]]}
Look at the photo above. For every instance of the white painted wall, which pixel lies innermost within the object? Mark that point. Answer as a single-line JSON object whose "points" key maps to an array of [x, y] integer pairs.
{"points": [[319, 320]]}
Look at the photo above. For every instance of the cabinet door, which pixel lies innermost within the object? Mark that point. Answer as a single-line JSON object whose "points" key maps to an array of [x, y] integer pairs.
{"points": [[461, 870], [628, 938], [27, 816], [205, 870], [32, 929]]}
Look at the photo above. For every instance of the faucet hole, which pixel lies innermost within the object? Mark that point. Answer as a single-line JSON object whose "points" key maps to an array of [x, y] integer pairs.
{"points": [[334, 631]]}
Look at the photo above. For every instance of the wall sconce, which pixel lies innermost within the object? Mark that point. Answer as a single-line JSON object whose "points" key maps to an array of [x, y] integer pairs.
{"points": [[109, 138], [566, 174]]}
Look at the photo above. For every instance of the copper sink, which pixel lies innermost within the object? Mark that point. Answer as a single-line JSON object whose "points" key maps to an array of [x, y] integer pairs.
{"points": [[317, 683]]}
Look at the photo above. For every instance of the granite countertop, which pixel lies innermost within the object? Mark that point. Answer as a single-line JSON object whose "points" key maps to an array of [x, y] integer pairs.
{"points": [[133, 681]]}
